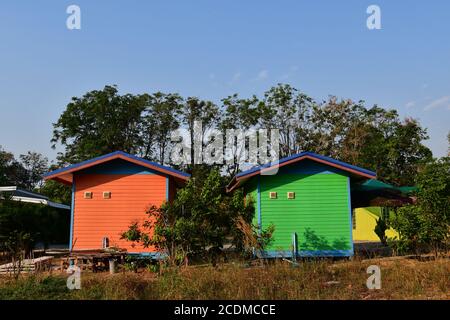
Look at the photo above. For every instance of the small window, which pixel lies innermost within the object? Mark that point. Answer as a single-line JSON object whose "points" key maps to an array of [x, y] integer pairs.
{"points": [[88, 195], [107, 195], [291, 195], [272, 195]]}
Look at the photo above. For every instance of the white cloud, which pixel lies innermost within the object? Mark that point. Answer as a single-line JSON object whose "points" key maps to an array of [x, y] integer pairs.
{"points": [[438, 103], [235, 78], [410, 104], [262, 75], [287, 75]]}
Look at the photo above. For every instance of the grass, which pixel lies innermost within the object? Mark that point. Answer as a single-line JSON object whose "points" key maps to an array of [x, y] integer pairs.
{"points": [[401, 279]]}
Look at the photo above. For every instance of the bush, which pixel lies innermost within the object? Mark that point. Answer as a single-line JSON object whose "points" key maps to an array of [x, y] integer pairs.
{"points": [[426, 224]]}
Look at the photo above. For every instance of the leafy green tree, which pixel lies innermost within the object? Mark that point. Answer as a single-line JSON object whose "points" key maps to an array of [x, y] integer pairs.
{"points": [[22, 225], [240, 114], [206, 112], [372, 138], [287, 109], [12, 171], [100, 122], [427, 223], [57, 191], [162, 117], [199, 221], [36, 165]]}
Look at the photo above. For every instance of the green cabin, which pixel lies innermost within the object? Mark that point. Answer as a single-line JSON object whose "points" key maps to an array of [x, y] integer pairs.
{"points": [[308, 198]]}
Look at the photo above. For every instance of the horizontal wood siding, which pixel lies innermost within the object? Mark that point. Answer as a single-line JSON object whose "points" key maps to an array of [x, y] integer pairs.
{"points": [[131, 195], [319, 214]]}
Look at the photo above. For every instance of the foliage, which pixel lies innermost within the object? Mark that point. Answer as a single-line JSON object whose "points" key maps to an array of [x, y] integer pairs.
{"points": [[254, 240], [427, 223], [57, 192], [26, 172], [12, 171], [35, 165], [199, 221], [380, 230], [374, 138], [161, 118], [193, 110], [100, 122], [24, 224], [313, 279]]}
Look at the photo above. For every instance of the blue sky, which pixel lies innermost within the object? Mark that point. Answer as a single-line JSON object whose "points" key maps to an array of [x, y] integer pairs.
{"points": [[212, 49]]}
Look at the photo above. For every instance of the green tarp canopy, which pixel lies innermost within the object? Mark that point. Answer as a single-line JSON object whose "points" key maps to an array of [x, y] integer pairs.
{"points": [[377, 185], [377, 193]]}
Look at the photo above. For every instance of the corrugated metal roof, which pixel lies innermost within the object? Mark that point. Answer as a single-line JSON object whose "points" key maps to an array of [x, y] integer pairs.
{"points": [[18, 194]]}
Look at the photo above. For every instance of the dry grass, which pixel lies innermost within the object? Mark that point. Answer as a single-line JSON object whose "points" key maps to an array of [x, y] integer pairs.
{"points": [[401, 279]]}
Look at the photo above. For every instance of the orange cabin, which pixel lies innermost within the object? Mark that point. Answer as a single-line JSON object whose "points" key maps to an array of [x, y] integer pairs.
{"points": [[111, 192]]}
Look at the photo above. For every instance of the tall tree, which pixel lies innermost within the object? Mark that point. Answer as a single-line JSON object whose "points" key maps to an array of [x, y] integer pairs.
{"points": [[287, 109], [162, 117], [100, 122], [12, 171], [203, 111], [427, 223], [36, 165], [240, 114]]}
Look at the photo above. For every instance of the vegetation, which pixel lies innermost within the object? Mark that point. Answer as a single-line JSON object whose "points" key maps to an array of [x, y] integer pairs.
{"points": [[400, 279], [26, 172], [426, 224], [202, 218], [22, 225], [103, 121], [198, 222]]}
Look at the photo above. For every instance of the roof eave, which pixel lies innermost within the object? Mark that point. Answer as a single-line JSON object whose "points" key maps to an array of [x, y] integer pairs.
{"points": [[56, 174], [235, 182]]}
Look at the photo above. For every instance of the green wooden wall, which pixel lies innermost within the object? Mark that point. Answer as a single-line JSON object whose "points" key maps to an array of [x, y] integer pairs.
{"points": [[319, 215]]}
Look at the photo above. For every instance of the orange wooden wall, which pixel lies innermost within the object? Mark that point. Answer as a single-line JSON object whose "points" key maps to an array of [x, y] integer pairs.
{"points": [[131, 195]]}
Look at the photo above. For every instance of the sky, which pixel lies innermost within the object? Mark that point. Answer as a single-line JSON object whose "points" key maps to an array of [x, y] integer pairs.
{"points": [[212, 49]]}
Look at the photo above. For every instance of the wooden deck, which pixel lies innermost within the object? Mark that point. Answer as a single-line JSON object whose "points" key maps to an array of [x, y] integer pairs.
{"points": [[95, 260], [28, 265]]}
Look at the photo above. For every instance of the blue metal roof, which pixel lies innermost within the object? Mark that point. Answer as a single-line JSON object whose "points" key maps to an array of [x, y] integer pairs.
{"points": [[112, 154], [302, 154]]}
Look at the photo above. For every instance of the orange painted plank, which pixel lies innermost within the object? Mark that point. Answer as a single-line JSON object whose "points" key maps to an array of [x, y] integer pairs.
{"points": [[96, 218]]}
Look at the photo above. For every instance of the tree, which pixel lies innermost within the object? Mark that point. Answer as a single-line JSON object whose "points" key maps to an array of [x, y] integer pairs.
{"points": [[22, 225], [57, 191], [427, 223], [12, 172], [448, 139], [162, 118], [198, 221], [287, 109], [372, 138], [36, 165], [100, 122], [206, 112], [241, 114]]}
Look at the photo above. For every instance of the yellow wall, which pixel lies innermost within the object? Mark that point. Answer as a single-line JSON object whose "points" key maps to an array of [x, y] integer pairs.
{"points": [[365, 226]]}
